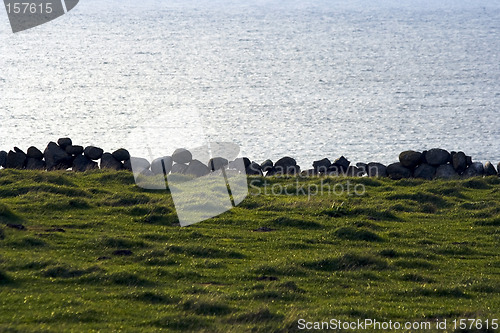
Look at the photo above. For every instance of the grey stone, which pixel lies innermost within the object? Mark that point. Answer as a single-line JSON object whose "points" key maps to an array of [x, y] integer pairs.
{"points": [[93, 153], [342, 163], [109, 162], [469, 160], [353, 171], [498, 168], [197, 168], [375, 169], [217, 163], [309, 173], [286, 165], [56, 158], [437, 156], [267, 165], [34, 152], [64, 142], [240, 164], [182, 155], [74, 150], [476, 169], [459, 161], [410, 159], [162, 165], [397, 171], [121, 154], [424, 171], [3, 158], [322, 165], [179, 168], [136, 164], [16, 159], [489, 169], [254, 169], [446, 171], [35, 164], [81, 163]]}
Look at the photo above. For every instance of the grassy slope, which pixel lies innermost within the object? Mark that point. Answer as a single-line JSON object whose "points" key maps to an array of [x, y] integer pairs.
{"points": [[406, 250]]}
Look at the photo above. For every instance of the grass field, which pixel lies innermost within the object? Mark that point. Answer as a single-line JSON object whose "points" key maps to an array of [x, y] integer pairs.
{"points": [[92, 251]]}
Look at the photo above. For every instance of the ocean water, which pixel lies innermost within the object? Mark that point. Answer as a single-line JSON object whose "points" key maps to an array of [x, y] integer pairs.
{"points": [[307, 79]]}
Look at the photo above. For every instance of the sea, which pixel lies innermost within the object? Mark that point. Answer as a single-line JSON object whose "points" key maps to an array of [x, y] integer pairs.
{"points": [[306, 79]]}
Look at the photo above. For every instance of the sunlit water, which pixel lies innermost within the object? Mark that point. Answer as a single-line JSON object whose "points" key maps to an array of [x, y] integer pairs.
{"points": [[305, 79]]}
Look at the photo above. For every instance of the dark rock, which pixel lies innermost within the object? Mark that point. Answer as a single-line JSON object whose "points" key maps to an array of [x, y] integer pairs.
{"points": [[16, 226], [469, 160], [410, 159], [217, 163], [353, 171], [197, 168], [121, 154], [162, 165], [64, 142], [81, 163], [179, 168], [286, 165], [254, 169], [446, 171], [16, 159], [376, 170], [122, 253], [35, 164], [342, 163], [109, 162], [425, 171], [309, 173], [74, 150], [437, 156], [498, 168], [34, 152], [459, 161], [489, 169], [3, 158], [476, 169], [240, 164], [56, 158], [362, 166], [182, 155], [93, 153], [136, 164], [397, 171], [267, 165], [322, 165]]}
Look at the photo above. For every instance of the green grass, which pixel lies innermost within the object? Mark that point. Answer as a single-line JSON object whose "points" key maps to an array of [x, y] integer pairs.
{"points": [[99, 253]]}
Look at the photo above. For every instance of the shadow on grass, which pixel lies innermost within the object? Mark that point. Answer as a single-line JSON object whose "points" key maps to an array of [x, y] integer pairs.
{"points": [[347, 262]]}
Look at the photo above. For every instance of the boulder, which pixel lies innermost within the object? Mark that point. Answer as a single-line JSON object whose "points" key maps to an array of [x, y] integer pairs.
{"points": [[425, 171], [74, 150], [64, 142], [267, 165], [362, 166], [35, 164], [459, 161], [322, 165], [489, 169], [254, 169], [162, 165], [498, 168], [446, 171], [217, 163], [121, 154], [197, 168], [309, 173], [136, 164], [56, 158], [182, 155], [240, 164], [410, 159], [476, 169], [3, 159], [93, 153], [342, 163], [34, 152], [397, 171], [81, 163], [353, 171], [109, 162], [469, 160], [285, 165], [16, 159], [179, 168], [437, 156], [376, 170]]}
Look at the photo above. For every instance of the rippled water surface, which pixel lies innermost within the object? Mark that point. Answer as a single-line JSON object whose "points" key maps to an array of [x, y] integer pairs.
{"points": [[306, 79]]}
